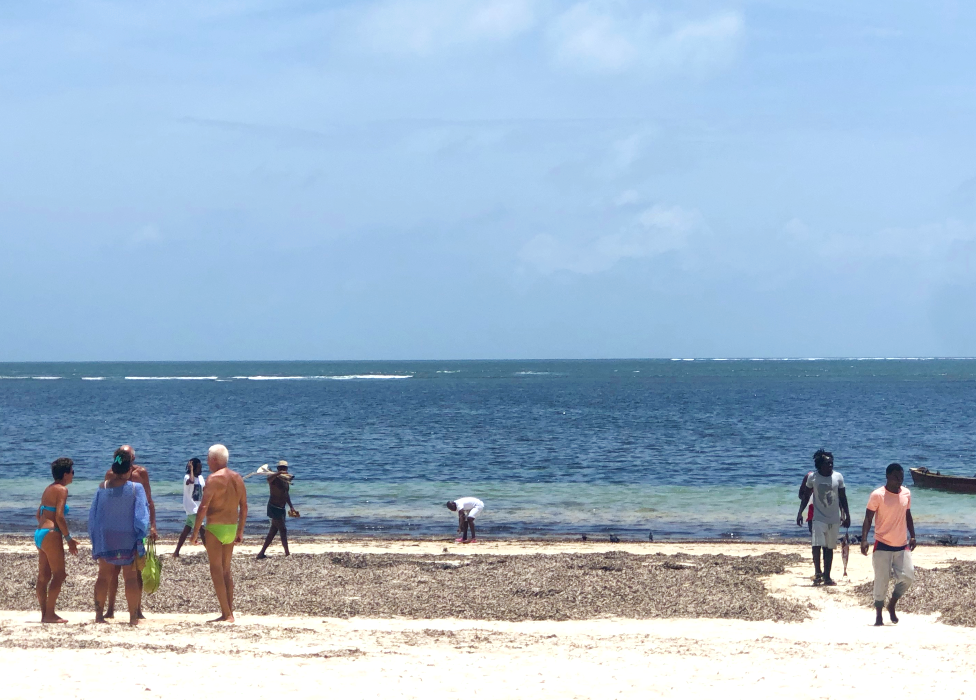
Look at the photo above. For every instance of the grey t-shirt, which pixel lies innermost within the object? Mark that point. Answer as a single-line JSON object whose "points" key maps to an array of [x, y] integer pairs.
{"points": [[826, 496]]}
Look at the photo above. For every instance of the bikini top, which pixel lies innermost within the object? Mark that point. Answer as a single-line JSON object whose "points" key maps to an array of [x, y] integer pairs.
{"points": [[67, 508]]}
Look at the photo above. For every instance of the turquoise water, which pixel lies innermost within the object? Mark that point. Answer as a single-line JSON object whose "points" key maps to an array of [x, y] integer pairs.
{"points": [[679, 448]]}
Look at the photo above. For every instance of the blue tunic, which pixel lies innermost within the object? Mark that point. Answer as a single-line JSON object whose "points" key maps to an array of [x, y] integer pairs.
{"points": [[118, 521]]}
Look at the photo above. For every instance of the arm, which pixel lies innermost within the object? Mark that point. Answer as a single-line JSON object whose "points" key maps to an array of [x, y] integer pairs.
{"points": [[804, 499], [242, 510], [911, 529], [62, 523], [804, 489], [202, 511], [142, 520], [845, 509], [865, 529], [152, 506]]}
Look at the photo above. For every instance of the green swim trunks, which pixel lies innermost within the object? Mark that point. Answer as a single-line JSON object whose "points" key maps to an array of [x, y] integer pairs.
{"points": [[224, 532], [190, 521]]}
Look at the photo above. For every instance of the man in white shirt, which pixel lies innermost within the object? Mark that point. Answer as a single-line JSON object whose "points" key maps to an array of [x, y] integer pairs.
{"points": [[193, 483], [830, 513], [467, 509]]}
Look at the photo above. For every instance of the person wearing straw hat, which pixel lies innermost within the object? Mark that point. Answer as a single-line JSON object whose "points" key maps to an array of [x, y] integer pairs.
{"points": [[280, 484]]}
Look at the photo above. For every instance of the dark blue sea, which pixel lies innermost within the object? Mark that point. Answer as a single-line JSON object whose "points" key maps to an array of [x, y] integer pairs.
{"points": [[683, 449]]}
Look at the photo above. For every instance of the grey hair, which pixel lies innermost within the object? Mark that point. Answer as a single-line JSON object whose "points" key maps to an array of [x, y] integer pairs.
{"points": [[219, 454]]}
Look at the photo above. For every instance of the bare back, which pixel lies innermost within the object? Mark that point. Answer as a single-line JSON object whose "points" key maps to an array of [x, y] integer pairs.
{"points": [[224, 496], [138, 475], [279, 490]]}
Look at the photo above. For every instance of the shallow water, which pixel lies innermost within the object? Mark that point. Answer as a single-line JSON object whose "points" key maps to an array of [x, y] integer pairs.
{"points": [[690, 449]]}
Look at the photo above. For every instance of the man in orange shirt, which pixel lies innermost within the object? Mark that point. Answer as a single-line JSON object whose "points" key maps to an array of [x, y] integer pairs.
{"points": [[890, 507]]}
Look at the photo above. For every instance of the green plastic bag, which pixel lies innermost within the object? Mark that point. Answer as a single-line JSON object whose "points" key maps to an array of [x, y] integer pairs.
{"points": [[152, 571]]}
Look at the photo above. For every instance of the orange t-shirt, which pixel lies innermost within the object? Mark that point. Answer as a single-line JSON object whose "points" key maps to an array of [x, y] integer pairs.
{"points": [[890, 523]]}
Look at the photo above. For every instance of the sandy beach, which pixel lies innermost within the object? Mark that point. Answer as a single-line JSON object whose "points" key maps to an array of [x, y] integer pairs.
{"points": [[612, 644]]}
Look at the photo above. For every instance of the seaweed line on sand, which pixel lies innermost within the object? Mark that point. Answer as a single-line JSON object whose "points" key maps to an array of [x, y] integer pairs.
{"points": [[480, 587]]}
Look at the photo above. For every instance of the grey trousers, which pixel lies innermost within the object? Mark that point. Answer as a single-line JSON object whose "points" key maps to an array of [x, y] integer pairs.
{"points": [[887, 564]]}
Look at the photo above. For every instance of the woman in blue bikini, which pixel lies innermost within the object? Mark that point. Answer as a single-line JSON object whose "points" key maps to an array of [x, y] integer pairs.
{"points": [[49, 537]]}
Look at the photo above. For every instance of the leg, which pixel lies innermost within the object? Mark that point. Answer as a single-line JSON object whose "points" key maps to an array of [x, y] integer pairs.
{"points": [[269, 539], [53, 549], [818, 574], [471, 525], [43, 579], [464, 530], [881, 561], [215, 555], [901, 564], [183, 536], [139, 583], [133, 593], [828, 557], [106, 574], [113, 591], [284, 536], [228, 554]]}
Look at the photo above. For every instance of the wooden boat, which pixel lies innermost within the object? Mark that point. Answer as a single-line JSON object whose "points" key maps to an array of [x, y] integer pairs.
{"points": [[943, 482]]}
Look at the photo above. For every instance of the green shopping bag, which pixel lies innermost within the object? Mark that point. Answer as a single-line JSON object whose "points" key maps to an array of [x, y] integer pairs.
{"points": [[152, 571]]}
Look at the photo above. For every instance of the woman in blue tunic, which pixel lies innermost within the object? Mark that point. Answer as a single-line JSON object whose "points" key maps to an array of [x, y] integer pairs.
{"points": [[50, 536], [118, 522]]}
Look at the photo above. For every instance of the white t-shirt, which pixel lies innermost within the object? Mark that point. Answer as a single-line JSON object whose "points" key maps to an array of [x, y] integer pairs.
{"points": [[826, 496], [468, 504], [192, 494]]}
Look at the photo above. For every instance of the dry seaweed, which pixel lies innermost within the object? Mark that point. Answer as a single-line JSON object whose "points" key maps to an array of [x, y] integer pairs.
{"points": [[481, 586], [949, 592]]}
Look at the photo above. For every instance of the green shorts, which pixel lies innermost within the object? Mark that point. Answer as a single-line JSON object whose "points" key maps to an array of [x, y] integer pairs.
{"points": [[191, 520], [224, 532]]}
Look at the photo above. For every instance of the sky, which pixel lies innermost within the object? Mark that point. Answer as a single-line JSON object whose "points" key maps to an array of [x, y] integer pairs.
{"points": [[463, 179]]}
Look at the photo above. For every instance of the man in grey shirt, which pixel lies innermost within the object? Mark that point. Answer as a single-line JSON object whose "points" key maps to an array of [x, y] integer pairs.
{"points": [[830, 511]]}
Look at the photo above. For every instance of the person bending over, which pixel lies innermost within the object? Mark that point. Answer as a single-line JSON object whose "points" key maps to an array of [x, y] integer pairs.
{"points": [[890, 508], [830, 511], [467, 509], [224, 507], [193, 483], [280, 485], [50, 536], [138, 475]]}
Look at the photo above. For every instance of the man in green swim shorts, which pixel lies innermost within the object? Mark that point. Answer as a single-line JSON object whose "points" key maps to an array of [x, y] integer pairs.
{"points": [[224, 506]]}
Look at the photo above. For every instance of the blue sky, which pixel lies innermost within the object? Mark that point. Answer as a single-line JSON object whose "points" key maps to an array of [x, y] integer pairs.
{"points": [[504, 178]]}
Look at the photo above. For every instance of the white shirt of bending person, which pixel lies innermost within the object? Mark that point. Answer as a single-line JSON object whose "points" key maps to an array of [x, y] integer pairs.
{"points": [[470, 506]]}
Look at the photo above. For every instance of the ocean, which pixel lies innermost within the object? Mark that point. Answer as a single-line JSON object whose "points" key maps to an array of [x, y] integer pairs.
{"points": [[683, 449]]}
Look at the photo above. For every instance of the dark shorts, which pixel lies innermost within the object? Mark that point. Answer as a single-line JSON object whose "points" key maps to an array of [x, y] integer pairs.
{"points": [[276, 512]]}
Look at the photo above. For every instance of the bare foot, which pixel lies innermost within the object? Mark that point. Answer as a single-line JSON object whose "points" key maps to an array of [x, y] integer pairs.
{"points": [[134, 620], [262, 555], [223, 618], [53, 620], [110, 614], [100, 619], [140, 615]]}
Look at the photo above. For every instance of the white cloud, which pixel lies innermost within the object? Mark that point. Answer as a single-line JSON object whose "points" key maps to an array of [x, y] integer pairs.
{"points": [[605, 36], [655, 231], [426, 26]]}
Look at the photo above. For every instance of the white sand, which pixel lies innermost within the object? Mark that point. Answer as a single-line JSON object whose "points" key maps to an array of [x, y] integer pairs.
{"points": [[837, 653]]}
